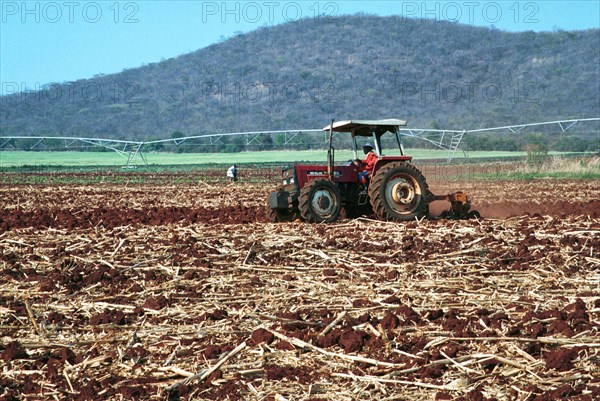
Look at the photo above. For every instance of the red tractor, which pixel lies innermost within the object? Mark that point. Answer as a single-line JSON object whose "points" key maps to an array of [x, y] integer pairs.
{"points": [[394, 189]]}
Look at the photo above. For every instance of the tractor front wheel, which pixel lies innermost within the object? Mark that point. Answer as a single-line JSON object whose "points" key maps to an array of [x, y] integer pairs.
{"points": [[398, 192], [283, 215], [320, 202], [474, 214]]}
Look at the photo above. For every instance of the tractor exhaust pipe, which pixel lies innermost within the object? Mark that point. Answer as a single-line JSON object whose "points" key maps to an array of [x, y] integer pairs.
{"points": [[330, 152]]}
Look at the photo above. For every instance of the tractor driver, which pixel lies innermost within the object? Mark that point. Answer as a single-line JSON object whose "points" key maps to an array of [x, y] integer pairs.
{"points": [[368, 164]]}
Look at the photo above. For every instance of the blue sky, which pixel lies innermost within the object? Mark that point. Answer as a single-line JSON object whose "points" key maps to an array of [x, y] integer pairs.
{"points": [[45, 41]]}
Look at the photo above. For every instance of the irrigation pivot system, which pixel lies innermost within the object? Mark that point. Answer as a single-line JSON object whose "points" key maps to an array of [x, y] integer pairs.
{"points": [[129, 150], [449, 140]]}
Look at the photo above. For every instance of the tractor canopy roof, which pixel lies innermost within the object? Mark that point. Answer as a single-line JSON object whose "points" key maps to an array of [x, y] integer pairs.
{"points": [[367, 127]]}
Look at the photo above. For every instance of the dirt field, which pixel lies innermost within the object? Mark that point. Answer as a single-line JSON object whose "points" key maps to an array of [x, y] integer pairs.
{"points": [[166, 292]]}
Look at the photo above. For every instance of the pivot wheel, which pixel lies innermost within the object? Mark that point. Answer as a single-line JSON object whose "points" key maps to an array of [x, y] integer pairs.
{"points": [[320, 202], [398, 192]]}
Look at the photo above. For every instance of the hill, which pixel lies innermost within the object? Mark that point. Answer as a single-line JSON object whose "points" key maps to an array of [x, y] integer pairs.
{"points": [[302, 74]]}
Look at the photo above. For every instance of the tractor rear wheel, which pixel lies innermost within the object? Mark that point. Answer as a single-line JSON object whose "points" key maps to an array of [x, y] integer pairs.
{"points": [[398, 192], [320, 202]]}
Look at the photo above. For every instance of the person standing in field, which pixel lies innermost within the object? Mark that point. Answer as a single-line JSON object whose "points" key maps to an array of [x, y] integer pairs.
{"points": [[232, 173]]}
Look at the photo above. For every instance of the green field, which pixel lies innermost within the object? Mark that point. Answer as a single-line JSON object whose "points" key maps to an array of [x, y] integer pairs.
{"points": [[20, 158], [508, 165]]}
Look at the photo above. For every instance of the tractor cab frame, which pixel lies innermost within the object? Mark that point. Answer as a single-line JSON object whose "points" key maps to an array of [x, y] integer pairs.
{"points": [[373, 129]]}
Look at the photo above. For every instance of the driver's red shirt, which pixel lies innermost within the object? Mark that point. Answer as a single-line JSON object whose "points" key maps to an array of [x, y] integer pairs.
{"points": [[369, 162]]}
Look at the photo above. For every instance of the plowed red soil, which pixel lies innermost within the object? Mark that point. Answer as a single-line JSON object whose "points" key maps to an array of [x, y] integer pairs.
{"points": [[113, 217], [122, 292], [114, 206]]}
